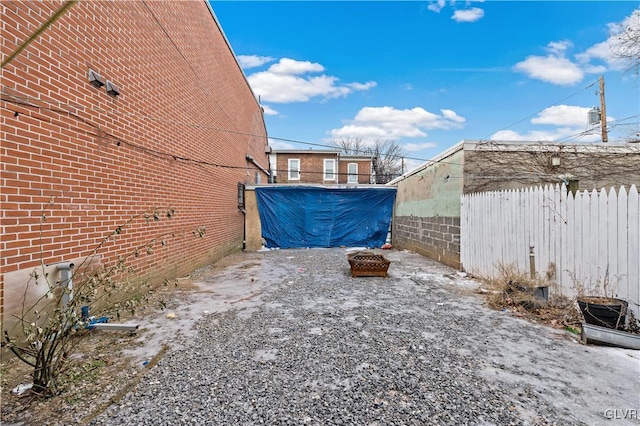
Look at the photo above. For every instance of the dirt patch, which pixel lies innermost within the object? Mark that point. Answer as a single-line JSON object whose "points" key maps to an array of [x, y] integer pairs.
{"points": [[97, 374], [107, 364], [521, 295], [93, 375]]}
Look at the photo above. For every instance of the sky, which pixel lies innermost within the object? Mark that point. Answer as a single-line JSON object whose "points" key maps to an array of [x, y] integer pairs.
{"points": [[428, 74]]}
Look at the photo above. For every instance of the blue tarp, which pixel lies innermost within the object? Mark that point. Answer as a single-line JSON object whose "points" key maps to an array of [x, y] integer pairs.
{"points": [[308, 216]]}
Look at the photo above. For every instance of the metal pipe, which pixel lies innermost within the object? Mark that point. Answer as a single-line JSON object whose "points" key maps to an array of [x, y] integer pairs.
{"points": [[115, 327], [532, 262], [66, 282]]}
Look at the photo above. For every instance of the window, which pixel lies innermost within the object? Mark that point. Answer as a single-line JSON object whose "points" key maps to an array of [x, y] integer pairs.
{"points": [[329, 169], [352, 173], [257, 178], [294, 169]]}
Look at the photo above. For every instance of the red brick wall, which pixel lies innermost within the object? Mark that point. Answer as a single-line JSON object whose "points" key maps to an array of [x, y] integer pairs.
{"points": [[311, 167], [175, 137], [364, 171]]}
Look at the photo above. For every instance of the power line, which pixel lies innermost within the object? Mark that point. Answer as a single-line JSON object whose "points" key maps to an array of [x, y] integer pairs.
{"points": [[537, 112], [70, 3], [27, 101], [195, 74], [101, 134], [625, 119], [588, 132], [165, 155]]}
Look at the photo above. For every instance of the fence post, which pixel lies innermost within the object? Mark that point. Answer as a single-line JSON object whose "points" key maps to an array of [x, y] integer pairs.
{"points": [[532, 262]]}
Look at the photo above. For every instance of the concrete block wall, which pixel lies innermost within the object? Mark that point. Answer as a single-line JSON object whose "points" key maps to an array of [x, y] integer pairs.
{"points": [[427, 211], [176, 137], [435, 237]]}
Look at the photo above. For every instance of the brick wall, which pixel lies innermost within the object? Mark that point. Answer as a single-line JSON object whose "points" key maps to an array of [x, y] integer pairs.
{"points": [[364, 171], [175, 137], [311, 167], [435, 237], [496, 166]]}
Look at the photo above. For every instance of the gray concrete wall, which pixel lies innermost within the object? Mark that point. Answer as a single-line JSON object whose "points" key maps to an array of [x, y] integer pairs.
{"points": [[427, 210]]}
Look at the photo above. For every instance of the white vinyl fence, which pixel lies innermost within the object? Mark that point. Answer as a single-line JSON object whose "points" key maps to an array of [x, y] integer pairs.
{"points": [[590, 242]]}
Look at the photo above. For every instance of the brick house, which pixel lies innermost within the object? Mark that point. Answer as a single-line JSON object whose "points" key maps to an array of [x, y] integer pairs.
{"points": [[328, 167], [427, 211], [117, 108]]}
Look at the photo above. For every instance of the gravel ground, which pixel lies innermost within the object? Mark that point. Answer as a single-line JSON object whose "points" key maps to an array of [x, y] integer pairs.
{"points": [[308, 344]]}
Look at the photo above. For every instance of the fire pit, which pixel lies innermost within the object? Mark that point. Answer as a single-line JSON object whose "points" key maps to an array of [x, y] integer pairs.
{"points": [[368, 264]]}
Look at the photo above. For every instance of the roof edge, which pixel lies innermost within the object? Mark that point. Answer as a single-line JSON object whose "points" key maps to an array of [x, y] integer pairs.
{"points": [[452, 150]]}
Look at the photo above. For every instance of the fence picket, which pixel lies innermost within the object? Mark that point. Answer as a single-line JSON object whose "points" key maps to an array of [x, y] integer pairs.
{"points": [[612, 249], [585, 236], [594, 232], [621, 286], [633, 249], [569, 264], [603, 231]]}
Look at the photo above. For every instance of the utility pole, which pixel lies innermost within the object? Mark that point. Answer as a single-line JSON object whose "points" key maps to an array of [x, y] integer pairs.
{"points": [[603, 113]]}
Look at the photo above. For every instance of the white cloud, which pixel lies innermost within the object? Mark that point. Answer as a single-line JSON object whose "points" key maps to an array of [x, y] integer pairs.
{"points": [[391, 123], [558, 48], [571, 122], [276, 144], [362, 86], [552, 69], [451, 115], [600, 51], [594, 69], [293, 67], [436, 6], [561, 133], [268, 110], [253, 61], [471, 14], [556, 68], [562, 115], [468, 15], [412, 147], [605, 51], [360, 131], [286, 81]]}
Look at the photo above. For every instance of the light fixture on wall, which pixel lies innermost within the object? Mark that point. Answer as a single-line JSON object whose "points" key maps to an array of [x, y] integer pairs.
{"points": [[555, 161], [112, 89], [95, 79]]}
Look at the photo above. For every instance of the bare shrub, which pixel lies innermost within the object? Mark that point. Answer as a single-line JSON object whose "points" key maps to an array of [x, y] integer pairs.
{"points": [[48, 330], [515, 290]]}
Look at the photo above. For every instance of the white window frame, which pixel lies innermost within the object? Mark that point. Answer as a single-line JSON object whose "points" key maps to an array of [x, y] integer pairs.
{"points": [[352, 177], [326, 174], [294, 172]]}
